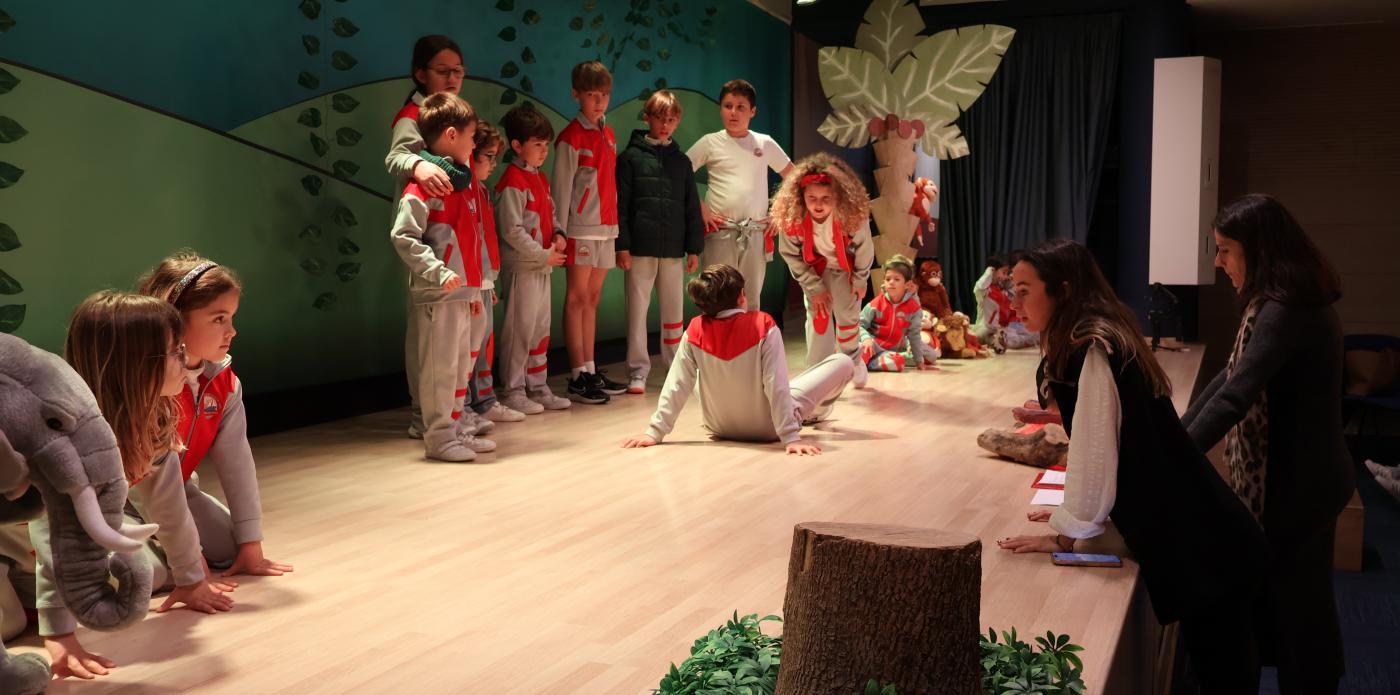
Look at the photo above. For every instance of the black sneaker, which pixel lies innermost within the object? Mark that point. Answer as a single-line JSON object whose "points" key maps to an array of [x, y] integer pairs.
{"points": [[583, 389], [608, 386]]}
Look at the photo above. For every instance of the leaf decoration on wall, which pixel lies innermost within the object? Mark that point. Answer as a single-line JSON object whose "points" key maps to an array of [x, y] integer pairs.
{"points": [[852, 76], [344, 103], [9, 285], [340, 60], [7, 81], [311, 44], [347, 137], [9, 174], [325, 301], [310, 117], [347, 247], [345, 168], [344, 217], [312, 183], [11, 317], [319, 146], [347, 271], [344, 28], [310, 8], [9, 240], [308, 80], [310, 231], [11, 131]]}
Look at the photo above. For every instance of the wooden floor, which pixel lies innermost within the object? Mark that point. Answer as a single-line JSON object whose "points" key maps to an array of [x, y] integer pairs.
{"points": [[565, 564]]}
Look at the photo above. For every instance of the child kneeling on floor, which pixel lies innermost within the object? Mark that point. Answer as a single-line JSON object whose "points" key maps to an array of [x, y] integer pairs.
{"points": [[738, 359]]}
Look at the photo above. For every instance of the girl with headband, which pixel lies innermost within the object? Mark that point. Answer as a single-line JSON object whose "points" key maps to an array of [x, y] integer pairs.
{"points": [[213, 426], [823, 212]]}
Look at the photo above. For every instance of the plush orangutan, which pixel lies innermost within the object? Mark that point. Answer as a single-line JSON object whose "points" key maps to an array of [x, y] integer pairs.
{"points": [[933, 296]]}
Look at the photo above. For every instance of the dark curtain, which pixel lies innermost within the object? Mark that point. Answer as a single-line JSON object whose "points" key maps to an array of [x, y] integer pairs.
{"points": [[1037, 137]]}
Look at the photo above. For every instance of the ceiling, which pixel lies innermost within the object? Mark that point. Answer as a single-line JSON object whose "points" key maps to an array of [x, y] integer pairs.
{"points": [[1217, 15]]}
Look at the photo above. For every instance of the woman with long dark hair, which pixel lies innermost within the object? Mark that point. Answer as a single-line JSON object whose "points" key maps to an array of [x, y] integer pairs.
{"points": [[1200, 552], [1277, 404]]}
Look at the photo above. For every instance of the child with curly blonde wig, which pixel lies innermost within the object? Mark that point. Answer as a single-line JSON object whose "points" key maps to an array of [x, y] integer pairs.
{"points": [[823, 214]]}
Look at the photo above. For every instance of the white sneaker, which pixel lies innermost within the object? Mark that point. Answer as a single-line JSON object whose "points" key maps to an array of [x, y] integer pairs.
{"points": [[482, 424], [637, 384], [476, 443], [862, 374], [500, 413], [519, 402], [549, 401], [454, 452]]}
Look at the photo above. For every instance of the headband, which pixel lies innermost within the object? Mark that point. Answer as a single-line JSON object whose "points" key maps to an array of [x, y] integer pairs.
{"points": [[820, 177], [190, 279]]}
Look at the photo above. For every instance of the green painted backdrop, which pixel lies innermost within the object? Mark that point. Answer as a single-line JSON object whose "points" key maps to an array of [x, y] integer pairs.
{"points": [[256, 136]]}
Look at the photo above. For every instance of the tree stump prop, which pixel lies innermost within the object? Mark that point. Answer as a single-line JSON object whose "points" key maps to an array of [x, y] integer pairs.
{"points": [[893, 603]]}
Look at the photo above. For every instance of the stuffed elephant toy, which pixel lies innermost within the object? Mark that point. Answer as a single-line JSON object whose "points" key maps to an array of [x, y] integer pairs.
{"points": [[53, 436]]}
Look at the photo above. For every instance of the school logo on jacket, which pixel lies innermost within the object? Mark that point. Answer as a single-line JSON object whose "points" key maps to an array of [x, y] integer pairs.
{"points": [[209, 406]]}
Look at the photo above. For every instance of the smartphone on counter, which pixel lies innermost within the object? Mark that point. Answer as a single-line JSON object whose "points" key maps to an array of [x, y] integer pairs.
{"points": [[1086, 560]]}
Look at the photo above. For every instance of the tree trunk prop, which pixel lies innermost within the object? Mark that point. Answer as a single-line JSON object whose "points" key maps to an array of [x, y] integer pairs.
{"points": [[894, 179], [893, 603]]}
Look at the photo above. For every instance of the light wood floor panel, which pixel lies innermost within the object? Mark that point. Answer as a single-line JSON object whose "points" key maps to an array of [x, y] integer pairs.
{"points": [[565, 564]]}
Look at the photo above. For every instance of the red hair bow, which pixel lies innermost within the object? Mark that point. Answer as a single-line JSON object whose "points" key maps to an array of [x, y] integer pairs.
{"points": [[820, 177]]}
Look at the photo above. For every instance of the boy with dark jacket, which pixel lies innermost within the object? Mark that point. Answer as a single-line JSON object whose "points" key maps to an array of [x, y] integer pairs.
{"points": [[658, 210]]}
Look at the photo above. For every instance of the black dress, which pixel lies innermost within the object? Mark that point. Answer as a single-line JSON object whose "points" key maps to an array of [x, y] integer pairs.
{"points": [[1201, 553]]}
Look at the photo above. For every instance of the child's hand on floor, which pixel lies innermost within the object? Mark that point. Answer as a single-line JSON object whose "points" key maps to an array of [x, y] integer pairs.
{"points": [[624, 260], [1039, 515], [453, 281], [432, 178], [200, 596], [250, 560], [68, 658], [800, 449], [692, 263], [638, 442]]}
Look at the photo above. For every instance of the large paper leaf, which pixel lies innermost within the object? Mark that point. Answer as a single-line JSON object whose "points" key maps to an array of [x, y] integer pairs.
{"points": [[11, 317], [948, 71], [943, 140], [848, 127], [851, 76], [890, 30]]}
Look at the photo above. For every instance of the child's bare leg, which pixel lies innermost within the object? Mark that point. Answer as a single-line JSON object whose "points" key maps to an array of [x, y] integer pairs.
{"points": [[575, 308], [590, 315]]}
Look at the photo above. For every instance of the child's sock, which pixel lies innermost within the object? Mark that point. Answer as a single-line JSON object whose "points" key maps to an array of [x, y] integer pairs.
{"points": [[590, 368], [573, 373]]}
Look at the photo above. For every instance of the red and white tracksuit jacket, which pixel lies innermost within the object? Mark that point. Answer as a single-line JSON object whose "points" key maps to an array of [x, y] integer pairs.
{"points": [[585, 180]]}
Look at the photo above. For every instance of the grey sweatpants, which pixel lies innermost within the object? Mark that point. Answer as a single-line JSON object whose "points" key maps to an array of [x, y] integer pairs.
{"points": [[751, 261], [816, 389], [667, 275], [839, 329], [215, 525], [444, 349], [525, 333], [483, 392]]}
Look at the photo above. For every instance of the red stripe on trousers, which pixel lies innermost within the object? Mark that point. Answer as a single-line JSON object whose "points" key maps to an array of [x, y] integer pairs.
{"points": [[538, 369], [542, 348], [671, 341], [672, 326], [447, 255]]}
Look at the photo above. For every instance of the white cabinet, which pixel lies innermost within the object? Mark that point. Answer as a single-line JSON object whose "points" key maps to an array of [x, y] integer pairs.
{"points": [[1185, 162]]}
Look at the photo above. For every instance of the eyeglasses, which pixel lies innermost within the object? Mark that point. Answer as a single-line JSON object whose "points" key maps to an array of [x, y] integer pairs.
{"points": [[446, 73], [177, 354]]}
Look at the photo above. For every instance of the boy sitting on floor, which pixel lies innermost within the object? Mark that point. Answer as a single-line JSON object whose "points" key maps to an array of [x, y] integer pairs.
{"points": [[738, 359]]}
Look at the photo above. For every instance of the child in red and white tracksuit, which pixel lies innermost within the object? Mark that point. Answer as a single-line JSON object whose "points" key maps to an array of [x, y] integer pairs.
{"points": [[891, 324], [437, 237], [824, 216], [532, 248], [736, 359], [436, 67]]}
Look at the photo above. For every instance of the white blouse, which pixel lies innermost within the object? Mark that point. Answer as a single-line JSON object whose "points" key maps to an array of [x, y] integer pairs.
{"points": [[1091, 475]]}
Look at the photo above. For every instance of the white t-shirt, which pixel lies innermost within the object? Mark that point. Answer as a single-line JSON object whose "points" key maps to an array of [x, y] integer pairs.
{"points": [[738, 172], [822, 239]]}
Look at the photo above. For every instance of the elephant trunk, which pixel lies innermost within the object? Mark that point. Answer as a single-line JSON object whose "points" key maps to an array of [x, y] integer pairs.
{"points": [[85, 526]]}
